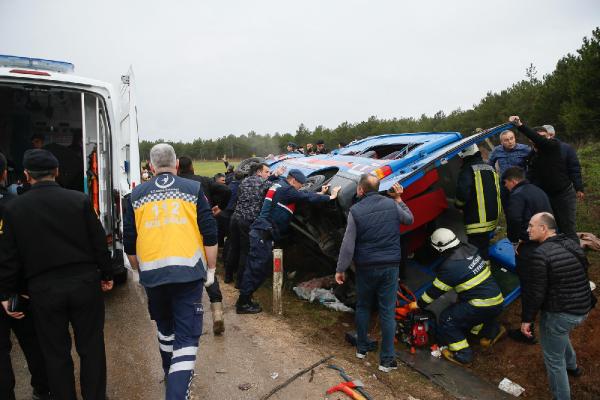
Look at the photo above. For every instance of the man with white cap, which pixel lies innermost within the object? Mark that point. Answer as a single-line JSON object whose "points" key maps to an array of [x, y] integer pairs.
{"points": [[479, 297]]}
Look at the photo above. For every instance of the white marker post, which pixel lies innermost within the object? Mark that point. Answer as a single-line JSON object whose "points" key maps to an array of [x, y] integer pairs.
{"points": [[277, 281]]}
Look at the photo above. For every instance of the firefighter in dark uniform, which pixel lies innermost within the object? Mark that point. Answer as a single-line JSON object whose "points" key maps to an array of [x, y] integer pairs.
{"points": [[479, 297], [170, 236], [272, 225], [478, 196], [54, 240], [22, 326]]}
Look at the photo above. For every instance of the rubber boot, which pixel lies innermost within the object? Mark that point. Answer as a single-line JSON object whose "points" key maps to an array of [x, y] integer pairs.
{"points": [[217, 316], [487, 343]]}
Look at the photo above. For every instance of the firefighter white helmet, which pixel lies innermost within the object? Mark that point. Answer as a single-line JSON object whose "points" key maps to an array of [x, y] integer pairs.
{"points": [[443, 239], [469, 151]]}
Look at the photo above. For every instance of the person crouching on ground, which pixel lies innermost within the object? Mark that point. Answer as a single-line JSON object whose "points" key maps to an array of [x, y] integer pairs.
{"points": [[479, 297], [372, 240]]}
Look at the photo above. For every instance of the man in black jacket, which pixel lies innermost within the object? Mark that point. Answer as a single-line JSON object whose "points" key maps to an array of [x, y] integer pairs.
{"points": [[54, 240], [571, 163], [559, 287], [547, 169], [22, 326], [218, 195], [525, 200]]}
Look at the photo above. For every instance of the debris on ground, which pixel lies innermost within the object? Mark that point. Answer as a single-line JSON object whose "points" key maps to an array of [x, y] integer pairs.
{"points": [[436, 351], [508, 386], [245, 386], [274, 375], [320, 290]]}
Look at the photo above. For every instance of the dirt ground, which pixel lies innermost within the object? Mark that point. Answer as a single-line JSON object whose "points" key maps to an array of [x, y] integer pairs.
{"points": [[521, 363], [257, 351], [524, 365]]}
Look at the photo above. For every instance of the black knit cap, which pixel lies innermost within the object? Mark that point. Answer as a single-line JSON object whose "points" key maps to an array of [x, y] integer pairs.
{"points": [[39, 160]]}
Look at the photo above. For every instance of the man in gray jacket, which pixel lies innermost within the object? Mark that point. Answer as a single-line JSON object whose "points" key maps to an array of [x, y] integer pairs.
{"points": [[372, 240]]}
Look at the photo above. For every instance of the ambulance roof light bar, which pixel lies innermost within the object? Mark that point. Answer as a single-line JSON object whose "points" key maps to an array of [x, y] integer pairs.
{"points": [[36, 63]]}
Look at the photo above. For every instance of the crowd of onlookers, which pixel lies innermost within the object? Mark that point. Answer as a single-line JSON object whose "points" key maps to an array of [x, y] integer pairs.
{"points": [[174, 223]]}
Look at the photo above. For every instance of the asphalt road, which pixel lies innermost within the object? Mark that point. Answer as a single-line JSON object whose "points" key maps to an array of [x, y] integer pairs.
{"points": [[257, 351]]}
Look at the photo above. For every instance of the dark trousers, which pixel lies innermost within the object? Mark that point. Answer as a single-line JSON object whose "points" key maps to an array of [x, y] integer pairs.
{"points": [[258, 263], [25, 332], [223, 225], [564, 205], [239, 244], [377, 285], [214, 292], [75, 300], [460, 318], [177, 310], [482, 242]]}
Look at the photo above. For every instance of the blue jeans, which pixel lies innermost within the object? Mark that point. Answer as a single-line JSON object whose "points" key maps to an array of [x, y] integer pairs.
{"points": [[558, 351], [380, 284]]}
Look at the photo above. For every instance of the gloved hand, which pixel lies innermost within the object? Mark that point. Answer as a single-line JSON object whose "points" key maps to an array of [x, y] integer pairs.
{"points": [[413, 305], [210, 277]]}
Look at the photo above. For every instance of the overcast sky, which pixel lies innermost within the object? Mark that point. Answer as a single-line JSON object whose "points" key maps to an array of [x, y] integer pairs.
{"points": [[212, 68]]}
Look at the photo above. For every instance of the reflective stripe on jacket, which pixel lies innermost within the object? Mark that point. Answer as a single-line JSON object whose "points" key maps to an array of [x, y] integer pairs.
{"points": [[166, 225], [469, 275], [478, 195]]}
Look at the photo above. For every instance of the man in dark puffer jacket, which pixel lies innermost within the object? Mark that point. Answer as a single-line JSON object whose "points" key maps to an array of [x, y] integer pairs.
{"points": [[559, 287]]}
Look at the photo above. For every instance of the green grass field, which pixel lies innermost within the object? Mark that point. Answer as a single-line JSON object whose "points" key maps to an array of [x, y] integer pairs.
{"points": [[209, 168]]}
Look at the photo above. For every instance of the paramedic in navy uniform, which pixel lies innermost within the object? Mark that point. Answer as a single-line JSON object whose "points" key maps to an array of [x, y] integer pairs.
{"points": [[170, 236]]}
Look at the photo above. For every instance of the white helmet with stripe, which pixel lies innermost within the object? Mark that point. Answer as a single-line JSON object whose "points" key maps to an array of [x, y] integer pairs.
{"points": [[443, 239], [469, 151]]}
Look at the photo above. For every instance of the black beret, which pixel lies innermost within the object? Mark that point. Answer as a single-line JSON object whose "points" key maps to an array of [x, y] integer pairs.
{"points": [[39, 160], [320, 141]]}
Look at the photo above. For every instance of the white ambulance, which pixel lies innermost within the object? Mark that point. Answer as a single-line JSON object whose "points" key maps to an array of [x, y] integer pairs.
{"points": [[90, 127]]}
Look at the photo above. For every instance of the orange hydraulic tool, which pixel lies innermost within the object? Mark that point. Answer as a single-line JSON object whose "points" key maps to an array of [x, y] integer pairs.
{"points": [[348, 388]]}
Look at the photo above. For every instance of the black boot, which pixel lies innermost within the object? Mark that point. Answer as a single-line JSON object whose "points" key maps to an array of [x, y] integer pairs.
{"points": [[245, 306]]}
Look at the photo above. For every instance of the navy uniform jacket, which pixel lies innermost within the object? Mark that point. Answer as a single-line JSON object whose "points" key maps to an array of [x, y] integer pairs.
{"points": [[469, 275], [478, 195], [166, 224], [279, 206]]}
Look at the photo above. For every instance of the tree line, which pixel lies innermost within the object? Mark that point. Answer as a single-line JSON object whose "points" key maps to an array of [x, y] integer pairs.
{"points": [[568, 98]]}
